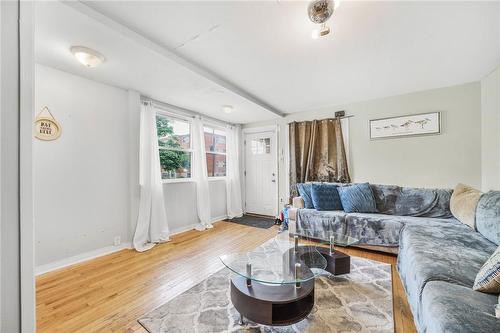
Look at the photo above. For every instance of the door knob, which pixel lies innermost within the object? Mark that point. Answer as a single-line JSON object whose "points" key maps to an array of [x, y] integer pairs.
{"points": [[274, 180]]}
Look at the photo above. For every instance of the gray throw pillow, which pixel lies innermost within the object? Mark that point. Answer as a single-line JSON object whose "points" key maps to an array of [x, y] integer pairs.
{"points": [[488, 216], [357, 198]]}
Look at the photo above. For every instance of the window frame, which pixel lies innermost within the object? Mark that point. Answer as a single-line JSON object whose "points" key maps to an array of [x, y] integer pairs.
{"points": [[222, 129], [191, 150]]}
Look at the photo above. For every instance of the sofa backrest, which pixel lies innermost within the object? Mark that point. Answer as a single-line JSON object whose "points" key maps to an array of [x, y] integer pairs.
{"points": [[411, 201]]}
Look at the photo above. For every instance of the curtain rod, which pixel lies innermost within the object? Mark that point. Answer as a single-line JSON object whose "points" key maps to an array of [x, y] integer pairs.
{"points": [[298, 121], [183, 111]]}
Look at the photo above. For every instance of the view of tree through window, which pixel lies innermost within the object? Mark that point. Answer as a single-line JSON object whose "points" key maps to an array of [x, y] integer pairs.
{"points": [[215, 147], [174, 141]]}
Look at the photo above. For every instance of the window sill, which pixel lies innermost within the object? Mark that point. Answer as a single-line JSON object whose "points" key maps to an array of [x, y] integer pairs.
{"points": [[214, 179], [178, 180], [189, 180]]}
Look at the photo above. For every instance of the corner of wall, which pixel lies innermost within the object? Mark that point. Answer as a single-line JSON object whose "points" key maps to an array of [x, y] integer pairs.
{"points": [[134, 112]]}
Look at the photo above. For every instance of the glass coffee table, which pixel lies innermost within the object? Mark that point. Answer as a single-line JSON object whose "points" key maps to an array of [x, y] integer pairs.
{"points": [[338, 263], [274, 284]]}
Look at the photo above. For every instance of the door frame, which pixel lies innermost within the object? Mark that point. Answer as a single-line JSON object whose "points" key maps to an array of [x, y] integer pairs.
{"points": [[17, 229], [255, 130]]}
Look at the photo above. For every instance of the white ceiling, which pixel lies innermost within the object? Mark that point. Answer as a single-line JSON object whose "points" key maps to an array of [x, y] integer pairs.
{"points": [[130, 65], [376, 49]]}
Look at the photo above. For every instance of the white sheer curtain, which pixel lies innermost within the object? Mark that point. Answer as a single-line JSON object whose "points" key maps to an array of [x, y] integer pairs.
{"points": [[200, 175], [152, 226], [233, 183]]}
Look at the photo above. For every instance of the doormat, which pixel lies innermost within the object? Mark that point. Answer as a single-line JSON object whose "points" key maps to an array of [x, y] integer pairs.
{"points": [[253, 221]]}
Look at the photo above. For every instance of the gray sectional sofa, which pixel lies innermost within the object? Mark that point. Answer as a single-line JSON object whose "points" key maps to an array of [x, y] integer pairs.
{"points": [[439, 257]]}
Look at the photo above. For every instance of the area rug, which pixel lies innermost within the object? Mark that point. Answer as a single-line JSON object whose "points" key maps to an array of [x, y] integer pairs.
{"points": [[254, 221], [357, 302]]}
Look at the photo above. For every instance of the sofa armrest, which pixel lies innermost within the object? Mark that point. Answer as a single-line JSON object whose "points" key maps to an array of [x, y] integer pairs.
{"points": [[298, 202]]}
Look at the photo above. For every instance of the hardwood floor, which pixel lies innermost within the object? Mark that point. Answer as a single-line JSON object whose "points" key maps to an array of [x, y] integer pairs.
{"points": [[109, 293]]}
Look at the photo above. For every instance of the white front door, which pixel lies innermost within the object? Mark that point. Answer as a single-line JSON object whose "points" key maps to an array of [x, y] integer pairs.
{"points": [[261, 175]]}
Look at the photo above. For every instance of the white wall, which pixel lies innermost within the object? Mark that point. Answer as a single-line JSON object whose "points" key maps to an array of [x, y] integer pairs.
{"points": [[81, 180], [490, 134], [427, 161], [180, 204], [86, 182]]}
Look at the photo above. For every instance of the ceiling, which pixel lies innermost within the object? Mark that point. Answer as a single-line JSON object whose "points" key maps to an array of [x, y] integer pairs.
{"points": [[265, 49]]}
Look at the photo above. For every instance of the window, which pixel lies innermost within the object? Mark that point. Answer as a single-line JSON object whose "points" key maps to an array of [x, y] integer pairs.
{"points": [[261, 146], [215, 147], [174, 142]]}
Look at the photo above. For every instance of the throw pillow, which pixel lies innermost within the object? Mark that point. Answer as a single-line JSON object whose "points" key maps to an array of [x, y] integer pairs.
{"points": [[305, 193], [488, 278], [488, 216], [325, 197], [497, 308], [357, 198], [463, 204]]}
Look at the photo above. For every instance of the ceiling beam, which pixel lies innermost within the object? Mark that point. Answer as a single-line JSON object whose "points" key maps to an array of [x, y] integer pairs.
{"points": [[167, 53]]}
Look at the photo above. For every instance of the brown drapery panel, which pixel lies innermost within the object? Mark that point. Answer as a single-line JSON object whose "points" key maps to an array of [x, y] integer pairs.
{"points": [[317, 153]]}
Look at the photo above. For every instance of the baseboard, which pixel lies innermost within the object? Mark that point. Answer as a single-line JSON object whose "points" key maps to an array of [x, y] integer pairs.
{"points": [[193, 226], [183, 229], [219, 218], [55, 265]]}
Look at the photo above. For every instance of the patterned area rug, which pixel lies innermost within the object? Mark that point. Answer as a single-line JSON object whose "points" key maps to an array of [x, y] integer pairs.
{"points": [[357, 302]]}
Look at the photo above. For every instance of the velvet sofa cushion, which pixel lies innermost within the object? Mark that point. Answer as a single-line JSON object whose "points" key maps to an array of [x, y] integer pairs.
{"points": [[305, 193], [411, 201], [450, 252], [318, 223], [325, 196], [357, 198], [384, 230], [488, 216], [488, 278], [448, 307], [463, 204]]}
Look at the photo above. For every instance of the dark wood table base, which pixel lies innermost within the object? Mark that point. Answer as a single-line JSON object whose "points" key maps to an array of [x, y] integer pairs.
{"points": [[283, 304], [338, 263], [273, 305]]}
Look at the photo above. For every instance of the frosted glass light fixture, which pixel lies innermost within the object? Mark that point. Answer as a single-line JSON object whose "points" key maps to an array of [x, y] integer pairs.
{"points": [[227, 108], [86, 56]]}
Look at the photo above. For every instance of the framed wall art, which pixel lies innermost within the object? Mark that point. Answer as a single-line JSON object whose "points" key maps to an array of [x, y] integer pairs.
{"points": [[410, 125]]}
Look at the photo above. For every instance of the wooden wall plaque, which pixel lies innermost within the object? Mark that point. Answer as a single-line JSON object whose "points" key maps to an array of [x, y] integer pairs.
{"points": [[46, 126]]}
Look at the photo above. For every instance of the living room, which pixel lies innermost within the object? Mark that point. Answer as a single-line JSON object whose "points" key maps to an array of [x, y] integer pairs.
{"points": [[275, 166]]}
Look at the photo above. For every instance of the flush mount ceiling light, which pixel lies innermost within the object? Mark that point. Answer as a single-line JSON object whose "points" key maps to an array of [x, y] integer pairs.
{"points": [[227, 108], [319, 12], [86, 56]]}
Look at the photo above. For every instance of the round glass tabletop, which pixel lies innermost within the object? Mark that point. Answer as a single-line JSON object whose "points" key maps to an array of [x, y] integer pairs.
{"points": [[283, 260], [288, 258]]}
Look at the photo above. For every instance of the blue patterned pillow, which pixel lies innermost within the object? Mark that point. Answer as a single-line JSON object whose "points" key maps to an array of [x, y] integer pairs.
{"points": [[305, 193], [357, 198], [488, 278], [325, 197]]}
